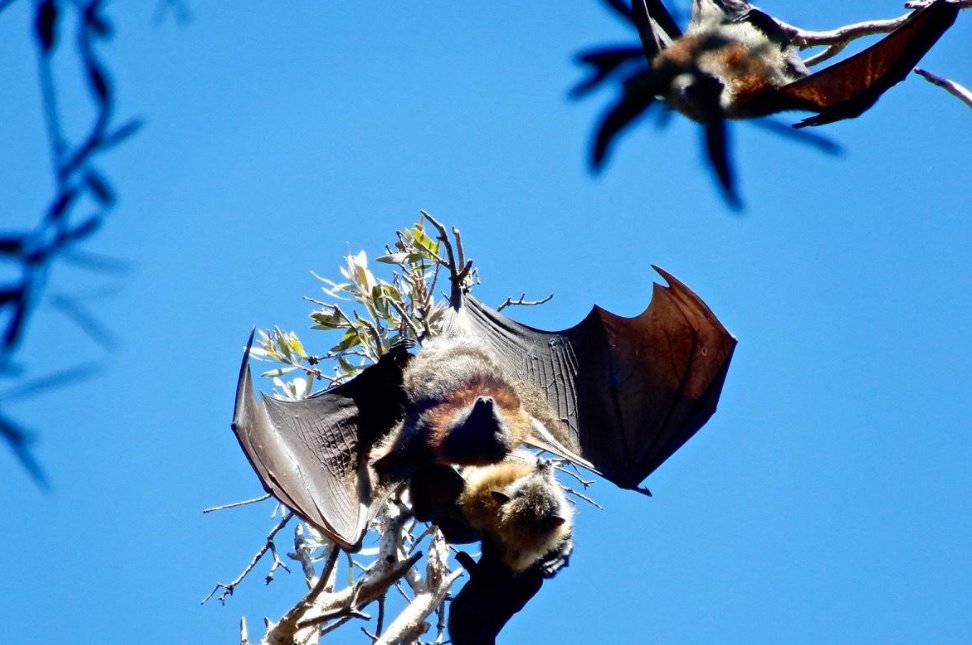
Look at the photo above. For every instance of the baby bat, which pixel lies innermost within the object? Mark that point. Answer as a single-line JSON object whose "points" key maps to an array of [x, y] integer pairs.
{"points": [[736, 62], [518, 509], [615, 395], [516, 505]]}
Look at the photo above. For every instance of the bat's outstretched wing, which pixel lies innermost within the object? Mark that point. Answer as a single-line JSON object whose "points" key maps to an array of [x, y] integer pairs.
{"points": [[312, 454], [628, 391], [847, 89]]}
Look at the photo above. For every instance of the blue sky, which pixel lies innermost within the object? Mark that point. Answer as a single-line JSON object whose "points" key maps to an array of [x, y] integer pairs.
{"points": [[827, 500]]}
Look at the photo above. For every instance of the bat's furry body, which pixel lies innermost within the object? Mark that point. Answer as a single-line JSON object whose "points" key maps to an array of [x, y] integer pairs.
{"points": [[741, 58], [463, 409]]}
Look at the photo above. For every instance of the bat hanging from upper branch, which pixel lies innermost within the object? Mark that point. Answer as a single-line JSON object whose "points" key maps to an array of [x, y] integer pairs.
{"points": [[615, 395], [736, 62]]}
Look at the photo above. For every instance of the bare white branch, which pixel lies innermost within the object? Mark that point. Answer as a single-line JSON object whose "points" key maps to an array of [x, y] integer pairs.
{"points": [[951, 87], [837, 39]]}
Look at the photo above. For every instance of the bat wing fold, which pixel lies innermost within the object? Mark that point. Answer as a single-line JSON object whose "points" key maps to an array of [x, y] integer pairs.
{"points": [[312, 454]]}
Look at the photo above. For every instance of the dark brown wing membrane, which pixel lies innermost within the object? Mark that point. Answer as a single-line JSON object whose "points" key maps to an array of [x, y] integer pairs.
{"points": [[312, 454], [850, 87], [655, 25], [629, 391]]}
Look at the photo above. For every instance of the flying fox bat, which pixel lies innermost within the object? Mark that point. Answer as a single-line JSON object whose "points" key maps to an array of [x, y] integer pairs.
{"points": [[736, 62], [615, 395]]}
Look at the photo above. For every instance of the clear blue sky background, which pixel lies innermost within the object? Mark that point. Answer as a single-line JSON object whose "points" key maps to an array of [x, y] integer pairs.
{"points": [[826, 502]]}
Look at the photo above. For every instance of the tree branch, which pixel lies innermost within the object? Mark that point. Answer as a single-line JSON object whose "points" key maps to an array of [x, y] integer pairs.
{"points": [[237, 504], [837, 39], [951, 87], [267, 546], [509, 302]]}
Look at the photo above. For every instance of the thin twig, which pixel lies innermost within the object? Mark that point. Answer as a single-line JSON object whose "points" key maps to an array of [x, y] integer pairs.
{"points": [[268, 545], [349, 612], [571, 491], [951, 87], [277, 562], [586, 483], [509, 302], [837, 39], [457, 275], [237, 504], [440, 624], [380, 624]]}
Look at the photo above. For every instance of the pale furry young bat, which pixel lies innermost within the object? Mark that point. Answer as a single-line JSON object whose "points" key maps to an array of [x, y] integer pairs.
{"points": [[615, 395], [736, 62], [525, 523], [517, 506]]}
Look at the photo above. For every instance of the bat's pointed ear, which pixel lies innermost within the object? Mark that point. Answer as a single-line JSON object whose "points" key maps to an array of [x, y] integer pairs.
{"points": [[500, 496], [557, 520]]}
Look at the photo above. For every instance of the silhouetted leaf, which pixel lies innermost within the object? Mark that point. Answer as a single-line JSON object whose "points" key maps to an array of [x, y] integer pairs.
{"points": [[12, 245], [45, 25], [605, 62], [637, 97], [818, 141], [120, 134], [96, 262], [97, 80], [84, 229], [620, 7], [54, 381], [95, 21], [100, 188], [19, 441], [85, 320], [10, 295], [61, 205], [11, 336], [717, 146]]}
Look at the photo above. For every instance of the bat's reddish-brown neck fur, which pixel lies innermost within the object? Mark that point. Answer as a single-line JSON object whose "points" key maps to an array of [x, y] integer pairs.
{"points": [[443, 418]]}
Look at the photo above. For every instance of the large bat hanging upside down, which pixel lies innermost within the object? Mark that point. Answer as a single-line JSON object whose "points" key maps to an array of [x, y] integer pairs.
{"points": [[615, 395], [737, 62]]}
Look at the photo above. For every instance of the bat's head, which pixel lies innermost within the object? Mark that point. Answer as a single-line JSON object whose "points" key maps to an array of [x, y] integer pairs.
{"points": [[463, 408]]}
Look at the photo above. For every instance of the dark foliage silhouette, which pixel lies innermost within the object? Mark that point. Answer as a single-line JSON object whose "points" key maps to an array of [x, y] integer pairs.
{"points": [[81, 200]]}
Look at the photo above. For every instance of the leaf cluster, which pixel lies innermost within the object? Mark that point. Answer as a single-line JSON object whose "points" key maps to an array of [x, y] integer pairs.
{"points": [[371, 314]]}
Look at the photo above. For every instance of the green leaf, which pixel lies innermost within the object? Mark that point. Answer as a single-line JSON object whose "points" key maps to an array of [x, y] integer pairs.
{"points": [[393, 258], [280, 371], [352, 338], [296, 345]]}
